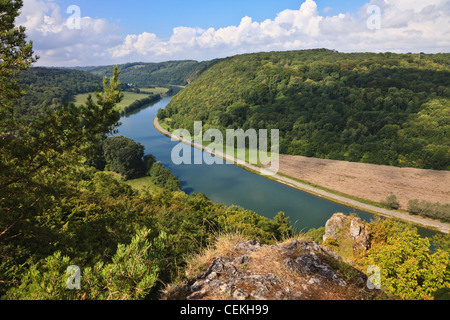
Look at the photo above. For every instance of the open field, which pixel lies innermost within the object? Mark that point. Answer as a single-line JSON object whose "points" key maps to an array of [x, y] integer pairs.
{"points": [[368, 181], [142, 183], [156, 90], [128, 97], [138, 184]]}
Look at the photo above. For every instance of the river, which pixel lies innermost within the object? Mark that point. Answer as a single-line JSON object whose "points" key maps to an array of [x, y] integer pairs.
{"points": [[229, 184]]}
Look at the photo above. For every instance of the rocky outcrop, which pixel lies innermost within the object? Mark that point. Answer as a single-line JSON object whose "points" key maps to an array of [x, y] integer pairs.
{"points": [[300, 269], [340, 227]]}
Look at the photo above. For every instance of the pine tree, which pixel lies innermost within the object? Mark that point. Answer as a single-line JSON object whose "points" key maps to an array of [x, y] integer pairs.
{"points": [[37, 158]]}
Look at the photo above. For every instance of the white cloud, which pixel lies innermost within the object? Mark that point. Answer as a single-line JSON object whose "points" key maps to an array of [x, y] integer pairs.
{"points": [[59, 44], [405, 26]]}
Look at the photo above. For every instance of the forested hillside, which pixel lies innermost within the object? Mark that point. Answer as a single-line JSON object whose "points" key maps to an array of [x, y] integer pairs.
{"points": [[164, 73], [46, 87], [382, 108]]}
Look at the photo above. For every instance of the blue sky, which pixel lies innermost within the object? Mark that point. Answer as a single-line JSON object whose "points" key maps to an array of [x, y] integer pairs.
{"points": [[160, 17], [113, 32]]}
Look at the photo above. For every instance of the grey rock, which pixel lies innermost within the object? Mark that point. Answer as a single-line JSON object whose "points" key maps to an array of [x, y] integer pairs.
{"points": [[226, 277], [310, 264], [240, 294], [355, 230]]}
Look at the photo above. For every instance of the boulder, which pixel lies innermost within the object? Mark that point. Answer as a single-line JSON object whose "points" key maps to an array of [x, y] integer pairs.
{"points": [[340, 227], [309, 273]]}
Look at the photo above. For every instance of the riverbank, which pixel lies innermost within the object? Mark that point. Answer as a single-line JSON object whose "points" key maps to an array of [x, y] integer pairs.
{"points": [[442, 227]]}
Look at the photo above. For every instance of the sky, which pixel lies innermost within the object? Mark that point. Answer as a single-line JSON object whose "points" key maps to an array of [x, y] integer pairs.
{"points": [[105, 32]]}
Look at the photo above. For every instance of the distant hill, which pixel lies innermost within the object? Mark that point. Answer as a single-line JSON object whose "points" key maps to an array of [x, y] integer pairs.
{"points": [[142, 74], [386, 108], [46, 87]]}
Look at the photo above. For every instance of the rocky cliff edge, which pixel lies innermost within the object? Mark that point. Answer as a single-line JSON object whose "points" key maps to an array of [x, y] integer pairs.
{"points": [[300, 269]]}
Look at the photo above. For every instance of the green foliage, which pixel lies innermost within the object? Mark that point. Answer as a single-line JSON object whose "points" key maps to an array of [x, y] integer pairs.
{"points": [[409, 269], [57, 212], [51, 88], [163, 73], [149, 160], [131, 275], [37, 157], [45, 280], [16, 55], [283, 227], [251, 224], [441, 241], [316, 234], [384, 108], [162, 177], [124, 156], [391, 202], [427, 209]]}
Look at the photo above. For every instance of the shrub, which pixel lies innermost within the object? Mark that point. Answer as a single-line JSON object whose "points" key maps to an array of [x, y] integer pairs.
{"points": [[131, 275], [391, 202], [428, 209], [409, 268]]}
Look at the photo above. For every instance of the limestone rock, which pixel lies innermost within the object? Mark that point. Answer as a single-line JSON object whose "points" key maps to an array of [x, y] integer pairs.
{"points": [[360, 233], [297, 270], [340, 226], [310, 264], [333, 225]]}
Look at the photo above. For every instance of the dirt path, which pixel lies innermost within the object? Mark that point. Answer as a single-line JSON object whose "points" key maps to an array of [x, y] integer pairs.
{"points": [[371, 182]]}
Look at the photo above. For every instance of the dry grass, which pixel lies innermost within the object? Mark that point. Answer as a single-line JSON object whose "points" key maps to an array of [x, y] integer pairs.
{"points": [[223, 247], [368, 181], [269, 260], [195, 264]]}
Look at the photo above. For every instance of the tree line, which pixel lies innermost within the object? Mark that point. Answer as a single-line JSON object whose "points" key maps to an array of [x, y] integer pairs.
{"points": [[161, 74], [140, 103]]}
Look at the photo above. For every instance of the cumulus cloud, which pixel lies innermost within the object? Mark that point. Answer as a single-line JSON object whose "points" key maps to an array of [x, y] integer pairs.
{"points": [[60, 44], [403, 26]]}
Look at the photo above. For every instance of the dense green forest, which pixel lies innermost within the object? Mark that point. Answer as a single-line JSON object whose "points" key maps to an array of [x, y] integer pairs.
{"points": [[384, 108], [161, 74], [50, 87]]}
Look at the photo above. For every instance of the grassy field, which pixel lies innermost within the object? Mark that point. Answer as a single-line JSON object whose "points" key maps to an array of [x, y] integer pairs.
{"points": [[128, 97], [156, 90], [142, 183], [138, 184]]}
